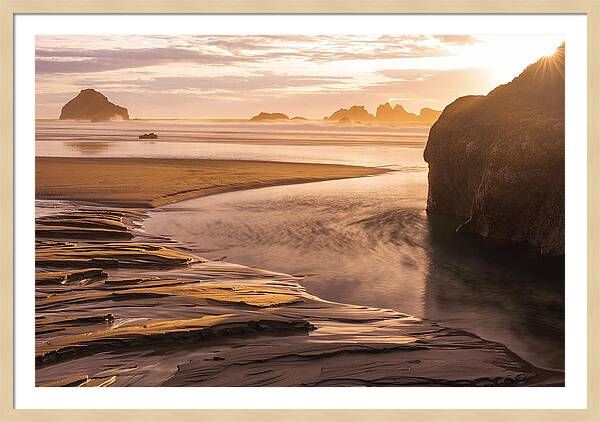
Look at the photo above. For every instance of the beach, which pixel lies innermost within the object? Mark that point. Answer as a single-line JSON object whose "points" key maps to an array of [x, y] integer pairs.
{"points": [[352, 238], [133, 312], [144, 182], [118, 305]]}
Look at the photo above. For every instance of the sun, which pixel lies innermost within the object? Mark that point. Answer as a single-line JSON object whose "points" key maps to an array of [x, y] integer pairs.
{"points": [[535, 48], [507, 56], [546, 49]]}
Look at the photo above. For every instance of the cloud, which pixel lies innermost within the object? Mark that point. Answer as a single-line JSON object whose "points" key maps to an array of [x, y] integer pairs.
{"points": [[431, 83], [86, 61], [328, 47], [230, 83], [246, 83], [225, 50], [457, 39], [406, 74]]}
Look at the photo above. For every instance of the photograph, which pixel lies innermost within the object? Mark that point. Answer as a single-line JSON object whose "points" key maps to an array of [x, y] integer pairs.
{"points": [[300, 210]]}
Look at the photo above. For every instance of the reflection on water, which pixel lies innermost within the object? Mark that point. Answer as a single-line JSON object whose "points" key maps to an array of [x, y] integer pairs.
{"points": [[505, 293], [88, 148], [369, 241]]}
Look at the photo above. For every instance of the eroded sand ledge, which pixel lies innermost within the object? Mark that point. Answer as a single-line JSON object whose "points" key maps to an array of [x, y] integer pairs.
{"points": [[131, 312], [151, 182]]}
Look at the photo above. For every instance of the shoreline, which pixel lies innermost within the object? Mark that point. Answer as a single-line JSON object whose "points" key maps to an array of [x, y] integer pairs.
{"points": [[382, 123], [151, 182]]}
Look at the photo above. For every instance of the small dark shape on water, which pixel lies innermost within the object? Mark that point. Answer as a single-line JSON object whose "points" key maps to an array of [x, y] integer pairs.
{"points": [[150, 135]]}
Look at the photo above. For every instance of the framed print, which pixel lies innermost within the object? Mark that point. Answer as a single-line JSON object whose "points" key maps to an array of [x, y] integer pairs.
{"points": [[299, 212]]}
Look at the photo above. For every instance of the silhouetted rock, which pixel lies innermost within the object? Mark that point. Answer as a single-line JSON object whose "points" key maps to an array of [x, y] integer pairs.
{"points": [[385, 114], [354, 113], [298, 118], [498, 160], [269, 116], [91, 105], [428, 115], [150, 135]]}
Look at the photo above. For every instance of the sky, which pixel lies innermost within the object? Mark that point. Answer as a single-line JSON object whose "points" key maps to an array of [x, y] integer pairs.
{"points": [[233, 76]]}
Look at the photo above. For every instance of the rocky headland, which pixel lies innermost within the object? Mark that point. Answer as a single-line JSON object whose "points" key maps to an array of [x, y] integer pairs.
{"points": [[498, 160], [91, 105]]}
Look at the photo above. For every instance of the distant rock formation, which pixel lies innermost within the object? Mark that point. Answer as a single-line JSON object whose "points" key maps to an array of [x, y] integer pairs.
{"points": [[498, 160], [358, 114], [354, 114], [91, 105], [429, 115], [269, 116], [385, 114]]}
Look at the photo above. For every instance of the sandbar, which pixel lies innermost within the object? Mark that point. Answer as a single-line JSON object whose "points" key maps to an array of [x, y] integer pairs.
{"points": [[151, 182]]}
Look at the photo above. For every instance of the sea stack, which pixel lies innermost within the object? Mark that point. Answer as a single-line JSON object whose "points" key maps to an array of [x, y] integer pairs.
{"points": [[261, 117], [354, 114], [385, 113], [429, 115], [498, 160], [91, 105]]}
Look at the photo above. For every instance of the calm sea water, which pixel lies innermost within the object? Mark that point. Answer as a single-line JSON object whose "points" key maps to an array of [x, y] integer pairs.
{"points": [[364, 241]]}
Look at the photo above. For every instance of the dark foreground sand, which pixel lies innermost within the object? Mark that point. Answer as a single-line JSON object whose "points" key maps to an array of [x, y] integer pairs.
{"points": [[150, 182], [115, 307]]}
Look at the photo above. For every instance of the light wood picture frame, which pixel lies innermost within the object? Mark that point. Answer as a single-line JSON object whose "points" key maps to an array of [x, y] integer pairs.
{"points": [[10, 8]]}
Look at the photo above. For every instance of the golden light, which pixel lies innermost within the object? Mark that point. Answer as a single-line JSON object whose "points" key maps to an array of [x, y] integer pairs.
{"points": [[547, 49], [508, 55]]}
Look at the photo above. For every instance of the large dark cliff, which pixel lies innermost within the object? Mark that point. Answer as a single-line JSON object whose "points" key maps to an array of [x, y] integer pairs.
{"points": [[498, 160]]}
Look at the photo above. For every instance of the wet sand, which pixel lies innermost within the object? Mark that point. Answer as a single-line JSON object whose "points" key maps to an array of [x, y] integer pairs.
{"points": [[147, 183], [117, 306], [133, 312]]}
